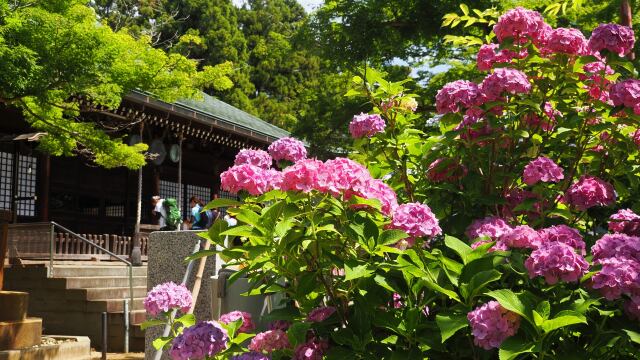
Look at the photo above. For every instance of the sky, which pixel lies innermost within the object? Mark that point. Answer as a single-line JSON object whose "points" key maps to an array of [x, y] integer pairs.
{"points": [[308, 5]]}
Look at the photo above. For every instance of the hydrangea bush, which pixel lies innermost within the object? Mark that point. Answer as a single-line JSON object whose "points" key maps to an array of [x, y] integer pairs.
{"points": [[503, 226]]}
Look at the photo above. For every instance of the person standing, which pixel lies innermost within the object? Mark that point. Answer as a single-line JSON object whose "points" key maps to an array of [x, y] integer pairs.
{"points": [[198, 218]]}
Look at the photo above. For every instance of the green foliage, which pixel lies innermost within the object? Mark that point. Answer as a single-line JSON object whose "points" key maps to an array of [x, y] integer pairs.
{"points": [[55, 54]]}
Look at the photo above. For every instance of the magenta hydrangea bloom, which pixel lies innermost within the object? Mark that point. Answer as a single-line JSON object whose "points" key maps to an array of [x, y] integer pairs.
{"points": [[321, 313], [626, 92], [444, 169], [247, 322], [597, 67], [471, 131], [366, 125], [504, 80], [313, 349], [618, 276], [302, 176], [522, 25], [269, 341], [249, 178], [542, 169], [168, 296], [534, 121], [563, 234], [344, 176], [636, 137], [491, 324], [490, 54], [632, 307], [616, 38], [568, 41], [551, 112], [556, 261], [456, 94], [616, 246], [588, 192], [202, 340], [251, 356], [416, 220], [377, 189], [492, 227], [259, 158], [274, 179], [625, 221], [288, 149], [516, 197], [521, 236]]}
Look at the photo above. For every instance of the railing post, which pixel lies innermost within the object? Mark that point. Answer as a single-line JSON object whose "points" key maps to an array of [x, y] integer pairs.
{"points": [[136, 253], [126, 325], [105, 335], [51, 248]]}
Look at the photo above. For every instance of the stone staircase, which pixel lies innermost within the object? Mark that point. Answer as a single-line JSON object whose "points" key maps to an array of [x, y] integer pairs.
{"points": [[72, 301]]}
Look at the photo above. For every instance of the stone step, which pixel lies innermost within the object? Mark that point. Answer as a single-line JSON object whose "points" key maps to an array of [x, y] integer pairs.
{"points": [[87, 282], [113, 305], [136, 317], [112, 292], [97, 270]]}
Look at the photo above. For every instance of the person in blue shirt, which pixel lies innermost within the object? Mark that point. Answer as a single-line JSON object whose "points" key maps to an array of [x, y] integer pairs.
{"points": [[198, 219]]}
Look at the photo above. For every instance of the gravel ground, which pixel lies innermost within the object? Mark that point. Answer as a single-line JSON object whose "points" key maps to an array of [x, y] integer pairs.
{"points": [[115, 356]]}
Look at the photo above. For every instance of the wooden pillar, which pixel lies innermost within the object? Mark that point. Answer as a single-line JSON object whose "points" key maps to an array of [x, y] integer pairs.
{"points": [[626, 16], [5, 217], [44, 188]]}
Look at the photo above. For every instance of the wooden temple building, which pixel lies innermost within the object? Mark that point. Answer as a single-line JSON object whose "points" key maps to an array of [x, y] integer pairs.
{"points": [[194, 141]]}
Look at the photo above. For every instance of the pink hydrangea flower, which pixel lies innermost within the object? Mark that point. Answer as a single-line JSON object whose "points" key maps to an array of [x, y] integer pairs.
{"points": [[504, 80], [452, 96], [533, 121], [492, 227], [556, 261], [636, 137], [444, 169], [302, 176], [251, 356], [616, 38], [616, 246], [521, 236], [551, 112], [288, 149], [588, 192], [366, 125], [274, 179], [542, 169], [516, 197], [626, 92], [491, 324], [269, 341], [470, 130], [568, 41], [247, 322], [498, 246], [200, 341], [168, 296], [279, 325], [632, 307], [344, 176], [563, 234], [597, 67], [521, 24], [416, 220], [321, 313], [313, 349], [618, 276], [397, 301], [259, 158], [625, 221], [490, 54], [245, 177], [377, 189]]}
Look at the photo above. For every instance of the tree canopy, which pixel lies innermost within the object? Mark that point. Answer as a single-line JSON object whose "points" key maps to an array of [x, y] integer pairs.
{"points": [[54, 53]]}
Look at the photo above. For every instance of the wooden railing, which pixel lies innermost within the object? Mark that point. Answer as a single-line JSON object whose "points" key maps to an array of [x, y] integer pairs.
{"points": [[33, 241]]}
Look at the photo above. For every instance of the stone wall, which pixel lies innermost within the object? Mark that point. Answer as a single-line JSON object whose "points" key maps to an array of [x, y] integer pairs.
{"points": [[167, 251]]}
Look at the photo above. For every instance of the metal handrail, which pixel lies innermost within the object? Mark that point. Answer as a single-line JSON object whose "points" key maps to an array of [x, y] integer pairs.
{"points": [[94, 245]]}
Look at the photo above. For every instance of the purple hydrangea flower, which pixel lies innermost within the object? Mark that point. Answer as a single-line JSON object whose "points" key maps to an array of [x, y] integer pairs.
{"points": [[625, 221], [616, 246], [366, 125], [321, 314], [563, 234], [168, 296], [504, 80], [521, 236], [313, 349], [492, 227], [491, 324], [202, 340], [456, 94], [251, 356], [556, 261], [588, 192], [618, 276], [616, 38]]}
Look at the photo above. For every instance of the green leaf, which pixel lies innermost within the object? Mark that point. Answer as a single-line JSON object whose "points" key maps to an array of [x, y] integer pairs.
{"points": [[462, 249], [242, 231], [510, 301], [216, 230], [544, 309], [241, 337], [435, 287], [353, 270], [161, 342], [480, 280], [562, 319], [449, 324], [514, 346], [297, 333], [391, 237], [151, 323], [187, 320], [221, 203], [633, 336]]}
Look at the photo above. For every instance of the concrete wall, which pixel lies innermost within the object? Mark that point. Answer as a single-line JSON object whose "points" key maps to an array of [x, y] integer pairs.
{"points": [[167, 251]]}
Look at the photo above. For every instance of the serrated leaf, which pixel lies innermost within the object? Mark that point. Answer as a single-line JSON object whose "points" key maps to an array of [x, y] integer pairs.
{"points": [[449, 324], [354, 270], [514, 346], [562, 319], [161, 342], [480, 280], [391, 237], [461, 248]]}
